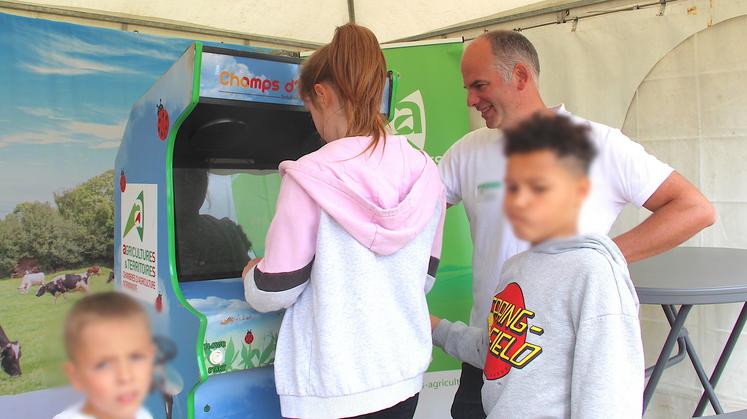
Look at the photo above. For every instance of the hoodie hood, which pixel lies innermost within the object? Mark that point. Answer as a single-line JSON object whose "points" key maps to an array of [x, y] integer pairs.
{"points": [[382, 197], [598, 242]]}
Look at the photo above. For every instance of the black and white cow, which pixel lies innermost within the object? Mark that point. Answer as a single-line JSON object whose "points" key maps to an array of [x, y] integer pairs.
{"points": [[65, 283], [10, 354], [51, 287]]}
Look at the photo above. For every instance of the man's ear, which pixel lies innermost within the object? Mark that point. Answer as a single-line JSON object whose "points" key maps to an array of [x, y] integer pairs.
{"points": [[521, 76]]}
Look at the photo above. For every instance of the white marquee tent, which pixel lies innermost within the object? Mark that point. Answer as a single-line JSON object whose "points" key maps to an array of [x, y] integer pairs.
{"points": [[296, 23]]}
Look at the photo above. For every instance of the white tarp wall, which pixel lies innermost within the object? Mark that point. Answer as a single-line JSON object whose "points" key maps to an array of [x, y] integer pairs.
{"points": [[690, 111]]}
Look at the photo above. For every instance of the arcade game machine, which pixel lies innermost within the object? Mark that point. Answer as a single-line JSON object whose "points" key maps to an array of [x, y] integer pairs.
{"points": [[198, 182]]}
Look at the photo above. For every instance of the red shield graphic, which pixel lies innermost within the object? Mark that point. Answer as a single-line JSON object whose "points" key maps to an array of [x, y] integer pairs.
{"points": [[508, 340]]}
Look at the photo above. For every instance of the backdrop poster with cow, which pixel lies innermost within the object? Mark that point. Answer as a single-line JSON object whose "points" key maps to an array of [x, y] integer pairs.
{"points": [[67, 91]]}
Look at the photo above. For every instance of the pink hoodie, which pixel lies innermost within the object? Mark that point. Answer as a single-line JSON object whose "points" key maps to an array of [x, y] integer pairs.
{"points": [[351, 225], [382, 201]]}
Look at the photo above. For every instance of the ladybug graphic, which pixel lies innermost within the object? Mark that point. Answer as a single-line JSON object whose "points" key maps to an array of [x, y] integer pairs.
{"points": [[163, 121], [159, 303], [122, 181], [249, 338]]}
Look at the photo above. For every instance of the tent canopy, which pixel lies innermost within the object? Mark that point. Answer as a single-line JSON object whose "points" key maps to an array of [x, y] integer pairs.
{"points": [[295, 23]]}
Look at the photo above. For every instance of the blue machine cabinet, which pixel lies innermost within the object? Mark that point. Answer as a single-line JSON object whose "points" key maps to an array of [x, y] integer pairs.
{"points": [[197, 185]]}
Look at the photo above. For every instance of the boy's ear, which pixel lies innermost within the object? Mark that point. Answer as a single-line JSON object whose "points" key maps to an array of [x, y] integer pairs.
{"points": [[72, 375], [584, 187]]}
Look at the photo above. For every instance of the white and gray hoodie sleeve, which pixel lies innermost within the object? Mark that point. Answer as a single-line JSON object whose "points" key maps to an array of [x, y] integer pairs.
{"points": [[282, 275]]}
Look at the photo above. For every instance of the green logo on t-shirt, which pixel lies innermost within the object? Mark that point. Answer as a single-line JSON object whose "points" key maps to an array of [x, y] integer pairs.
{"points": [[489, 191], [489, 185]]}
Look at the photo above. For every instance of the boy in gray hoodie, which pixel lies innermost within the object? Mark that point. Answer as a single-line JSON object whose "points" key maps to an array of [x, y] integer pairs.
{"points": [[563, 338]]}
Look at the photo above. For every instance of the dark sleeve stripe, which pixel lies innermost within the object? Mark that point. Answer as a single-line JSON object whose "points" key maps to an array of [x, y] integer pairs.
{"points": [[281, 281], [433, 266]]}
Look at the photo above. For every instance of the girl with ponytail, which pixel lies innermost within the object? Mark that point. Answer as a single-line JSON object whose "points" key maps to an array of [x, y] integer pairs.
{"points": [[352, 250]]}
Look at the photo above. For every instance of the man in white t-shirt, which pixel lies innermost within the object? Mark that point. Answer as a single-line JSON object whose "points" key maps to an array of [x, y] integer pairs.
{"points": [[500, 71]]}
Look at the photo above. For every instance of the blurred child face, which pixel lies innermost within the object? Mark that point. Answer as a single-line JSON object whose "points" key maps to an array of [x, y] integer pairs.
{"points": [[543, 196], [113, 367]]}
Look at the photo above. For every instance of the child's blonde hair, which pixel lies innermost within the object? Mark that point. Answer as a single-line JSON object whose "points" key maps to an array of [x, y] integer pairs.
{"points": [[96, 307]]}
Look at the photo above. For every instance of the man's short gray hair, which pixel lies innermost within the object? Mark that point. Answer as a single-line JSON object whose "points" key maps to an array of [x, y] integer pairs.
{"points": [[511, 48]]}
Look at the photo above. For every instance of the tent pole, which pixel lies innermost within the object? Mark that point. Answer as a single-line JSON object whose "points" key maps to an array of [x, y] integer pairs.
{"points": [[500, 19], [351, 11]]}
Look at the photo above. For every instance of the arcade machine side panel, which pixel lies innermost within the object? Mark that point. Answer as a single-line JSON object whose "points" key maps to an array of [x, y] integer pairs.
{"points": [[142, 230]]}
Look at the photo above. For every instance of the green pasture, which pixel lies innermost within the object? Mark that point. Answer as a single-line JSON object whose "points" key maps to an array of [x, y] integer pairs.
{"points": [[36, 322]]}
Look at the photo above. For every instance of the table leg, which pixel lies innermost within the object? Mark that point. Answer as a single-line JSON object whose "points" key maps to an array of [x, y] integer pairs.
{"points": [[695, 360], [724, 358], [681, 349], [661, 362]]}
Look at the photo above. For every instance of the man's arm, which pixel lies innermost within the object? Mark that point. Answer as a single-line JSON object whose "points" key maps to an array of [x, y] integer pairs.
{"points": [[448, 169], [679, 212]]}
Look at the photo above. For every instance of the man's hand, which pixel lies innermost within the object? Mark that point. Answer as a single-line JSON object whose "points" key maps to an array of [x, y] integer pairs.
{"points": [[251, 264], [434, 322]]}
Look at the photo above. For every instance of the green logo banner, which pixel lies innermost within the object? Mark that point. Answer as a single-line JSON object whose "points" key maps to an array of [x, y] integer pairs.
{"points": [[431, 110]]}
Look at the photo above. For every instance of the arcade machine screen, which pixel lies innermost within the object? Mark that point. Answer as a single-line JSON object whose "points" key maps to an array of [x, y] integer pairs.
{"points": [[216, 214], [226, 184]]}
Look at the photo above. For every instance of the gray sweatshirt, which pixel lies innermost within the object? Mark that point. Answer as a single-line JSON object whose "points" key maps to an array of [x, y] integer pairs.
{"points": [[563, 338]]}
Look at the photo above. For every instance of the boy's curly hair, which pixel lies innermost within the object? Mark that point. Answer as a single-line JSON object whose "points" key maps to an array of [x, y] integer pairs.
{"points": [[568, 140]]}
